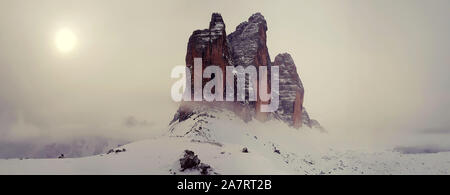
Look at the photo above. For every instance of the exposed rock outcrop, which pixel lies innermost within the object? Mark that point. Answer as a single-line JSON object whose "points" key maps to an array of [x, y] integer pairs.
{"points": [[247, 46], [190, 161], [291, 109], [211, 45], [291, 91]]}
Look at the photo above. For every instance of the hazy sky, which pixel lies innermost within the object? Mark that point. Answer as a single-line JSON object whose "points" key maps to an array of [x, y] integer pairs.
{"points": [[368, 66]]}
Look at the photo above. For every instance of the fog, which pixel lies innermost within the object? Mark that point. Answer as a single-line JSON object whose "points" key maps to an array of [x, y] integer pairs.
{"points": [[372, 70]]}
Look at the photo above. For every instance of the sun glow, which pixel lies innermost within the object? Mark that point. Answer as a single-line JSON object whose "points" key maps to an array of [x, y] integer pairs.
{"points": [[65, 40]]}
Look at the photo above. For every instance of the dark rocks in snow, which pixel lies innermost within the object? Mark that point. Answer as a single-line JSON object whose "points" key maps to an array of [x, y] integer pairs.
{"points": [[291, 91], [116, 151], [182, 115], [190, 161], [244, 150], [120, 150], [205, 169], [275, 149]]}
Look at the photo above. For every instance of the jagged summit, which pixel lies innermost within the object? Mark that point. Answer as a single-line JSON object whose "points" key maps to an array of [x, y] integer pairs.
{"points": [[249, 39], [217, 23], [288, 69], [244, 47], [249, 47], [291, 91], [211, 45], [291, 109], [216, 30], [258, 18]]}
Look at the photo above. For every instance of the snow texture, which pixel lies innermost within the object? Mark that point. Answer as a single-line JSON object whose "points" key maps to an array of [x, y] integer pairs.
{"points": [[218, 138]]}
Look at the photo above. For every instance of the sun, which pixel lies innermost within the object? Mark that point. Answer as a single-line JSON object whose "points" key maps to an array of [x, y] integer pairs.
{"points": [[65, 40]]}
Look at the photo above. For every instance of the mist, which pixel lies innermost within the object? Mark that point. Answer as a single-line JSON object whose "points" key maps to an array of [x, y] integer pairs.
{"points": [[373, 71]]}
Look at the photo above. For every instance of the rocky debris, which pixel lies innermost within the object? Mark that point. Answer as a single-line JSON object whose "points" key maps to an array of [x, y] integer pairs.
{"points": [[205, 169], [172, 172], [116, 151], [275, 149], [244, 150], [190, 161]]}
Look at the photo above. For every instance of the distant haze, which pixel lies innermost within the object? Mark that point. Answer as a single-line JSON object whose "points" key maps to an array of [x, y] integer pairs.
{"points": [[371, 68]]}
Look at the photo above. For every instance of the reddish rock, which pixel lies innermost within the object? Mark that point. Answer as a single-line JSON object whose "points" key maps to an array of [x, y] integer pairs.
{"points": [[298, 107], [248, 46], [291, 91], [210, 45]]}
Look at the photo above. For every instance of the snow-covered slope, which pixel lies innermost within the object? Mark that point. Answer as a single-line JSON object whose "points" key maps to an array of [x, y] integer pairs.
{"points": [[76, 146], [218, 138]]}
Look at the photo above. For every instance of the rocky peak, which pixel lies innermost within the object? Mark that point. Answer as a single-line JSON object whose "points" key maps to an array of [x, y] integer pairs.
{"points": [[211, 45], [291, 91], [248, 47], [259, 19], [249, 39], [201, 38], [244, 47], [288, 70], [216, 24]]}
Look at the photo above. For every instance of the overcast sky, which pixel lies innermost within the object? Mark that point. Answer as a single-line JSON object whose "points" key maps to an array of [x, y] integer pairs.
{"points": [[367, 66]]}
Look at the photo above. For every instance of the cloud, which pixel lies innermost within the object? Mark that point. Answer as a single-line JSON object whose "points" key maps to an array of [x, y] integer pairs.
{"points": [[436, 131], [131, 122], [421, 149]]}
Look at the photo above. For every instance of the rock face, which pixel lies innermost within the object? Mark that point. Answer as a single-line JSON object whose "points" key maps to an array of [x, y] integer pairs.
{"points": [[291, 109], [291, 91], [211, 45], [247, 46]]}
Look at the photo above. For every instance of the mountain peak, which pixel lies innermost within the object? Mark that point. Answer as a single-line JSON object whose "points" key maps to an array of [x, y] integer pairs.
{"points": [[283, 58], [247, 46], [259, 19], [216, 23]]}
